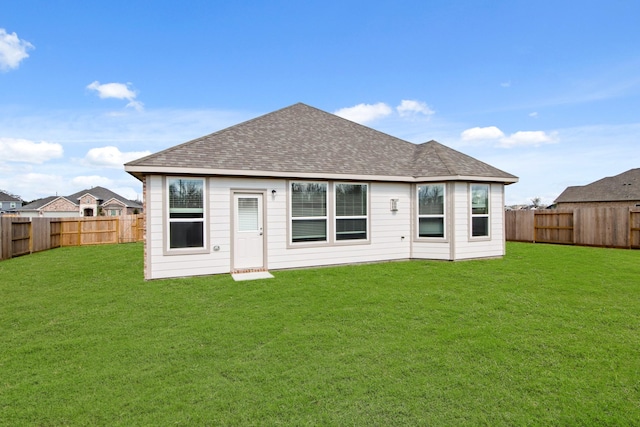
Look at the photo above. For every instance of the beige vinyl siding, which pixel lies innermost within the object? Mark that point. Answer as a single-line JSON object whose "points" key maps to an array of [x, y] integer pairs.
{"points": [[467, 247], [386, 231], [435, 248]]}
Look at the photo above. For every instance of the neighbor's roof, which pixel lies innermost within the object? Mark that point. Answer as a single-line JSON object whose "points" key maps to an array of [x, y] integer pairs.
{"points": [[305, 142], [40, 203], [98, 192], [623, 187], [4, 197], [103, 194]]}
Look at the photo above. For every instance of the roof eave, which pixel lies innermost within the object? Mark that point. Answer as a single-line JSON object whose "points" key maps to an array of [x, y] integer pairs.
{"points": [[140, 171]]}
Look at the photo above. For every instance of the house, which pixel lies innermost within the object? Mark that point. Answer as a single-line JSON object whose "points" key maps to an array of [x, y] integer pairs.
{"points": [[621, 190], [300, 187], [9, 203], [97, 201]]}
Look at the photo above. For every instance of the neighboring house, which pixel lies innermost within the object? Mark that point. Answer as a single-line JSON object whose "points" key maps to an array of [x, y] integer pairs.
{"points": [[52, 206], [8, 203], [300, 187], [97, 201], [615, 191]]}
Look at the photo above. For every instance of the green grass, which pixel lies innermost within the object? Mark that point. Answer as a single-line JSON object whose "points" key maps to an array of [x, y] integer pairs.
{"points": [[549, 335]]}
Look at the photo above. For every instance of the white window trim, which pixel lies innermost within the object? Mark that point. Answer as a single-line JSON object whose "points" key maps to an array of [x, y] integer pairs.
{"points": [[336, 217], [291, 218], [444, 214], [330, 217], [472, 215], [168, 220]]}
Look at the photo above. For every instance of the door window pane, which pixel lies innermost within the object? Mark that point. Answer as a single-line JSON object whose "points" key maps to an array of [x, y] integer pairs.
{"points": [[247, 214]]}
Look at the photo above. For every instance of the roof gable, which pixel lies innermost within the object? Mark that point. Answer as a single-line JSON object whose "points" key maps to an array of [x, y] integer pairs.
{"points": [[300, 140], [622, 187], [46, 201]]}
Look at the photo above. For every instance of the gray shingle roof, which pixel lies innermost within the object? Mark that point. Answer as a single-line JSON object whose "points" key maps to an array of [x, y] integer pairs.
{"points": [[622, 187], [4, 197], [37, 204], [300, 140], [104, 194], [98, 192]]}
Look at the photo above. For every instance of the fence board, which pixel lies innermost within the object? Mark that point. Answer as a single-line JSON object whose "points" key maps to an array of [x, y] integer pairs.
{"points": [[605, 227], [19, 236], [5, 237], [553, 227], [519, 226], [634, 229]]}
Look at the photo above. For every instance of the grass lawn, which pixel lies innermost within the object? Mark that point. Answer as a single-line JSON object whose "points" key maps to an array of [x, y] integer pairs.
{"points": [[549, 335]]}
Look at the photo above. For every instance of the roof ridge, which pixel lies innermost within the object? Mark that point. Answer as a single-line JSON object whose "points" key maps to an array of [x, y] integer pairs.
{"points": [[299, 140], [434, 145], [217, 132]]}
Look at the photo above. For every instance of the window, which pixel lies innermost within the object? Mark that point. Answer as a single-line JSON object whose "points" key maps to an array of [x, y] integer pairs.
{"points": [[186, 213], [308, 212], [431, 210], [479, 210], [12, 205], [351, 211], [248, 214]]}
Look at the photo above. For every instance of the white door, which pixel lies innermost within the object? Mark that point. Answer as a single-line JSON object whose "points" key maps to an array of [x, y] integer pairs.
{"points": [[248, 248]]}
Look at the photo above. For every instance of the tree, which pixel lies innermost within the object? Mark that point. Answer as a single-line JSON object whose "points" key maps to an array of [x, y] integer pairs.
{"points": [[536, 202]]}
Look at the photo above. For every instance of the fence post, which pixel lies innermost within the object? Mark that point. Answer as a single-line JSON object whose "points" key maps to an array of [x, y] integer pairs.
{"points": [[30, 236]]}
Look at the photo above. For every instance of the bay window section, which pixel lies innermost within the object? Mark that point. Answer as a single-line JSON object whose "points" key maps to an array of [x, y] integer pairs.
{"points": [[186, 213], [351, 211], [431, 210], [308, 212], [479, 210]]}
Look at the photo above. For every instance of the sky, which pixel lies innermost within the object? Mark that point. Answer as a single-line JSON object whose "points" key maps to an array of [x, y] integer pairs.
{"points": [[548, 91]]}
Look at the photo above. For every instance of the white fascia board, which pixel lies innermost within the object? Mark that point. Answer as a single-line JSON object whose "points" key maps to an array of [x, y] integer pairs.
{"points": [[465, 178], [162, 170]]}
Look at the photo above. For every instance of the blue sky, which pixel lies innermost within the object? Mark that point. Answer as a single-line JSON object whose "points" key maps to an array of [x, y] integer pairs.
{"points": [[547, 90]]}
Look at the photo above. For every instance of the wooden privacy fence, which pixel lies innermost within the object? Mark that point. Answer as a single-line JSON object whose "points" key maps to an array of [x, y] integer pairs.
{"points": [[606, 227], [20, 236]]}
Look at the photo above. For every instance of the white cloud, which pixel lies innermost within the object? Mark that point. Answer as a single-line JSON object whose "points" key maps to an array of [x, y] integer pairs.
{"points": [[534, 114], [112, 157], [117, 91], [23, 150], [517, 139], [478, 133], [363, 113], [506, 84], [91, 181], [410, 107], [127, 192], [33, 185], [12, 50], [526, 138]]}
